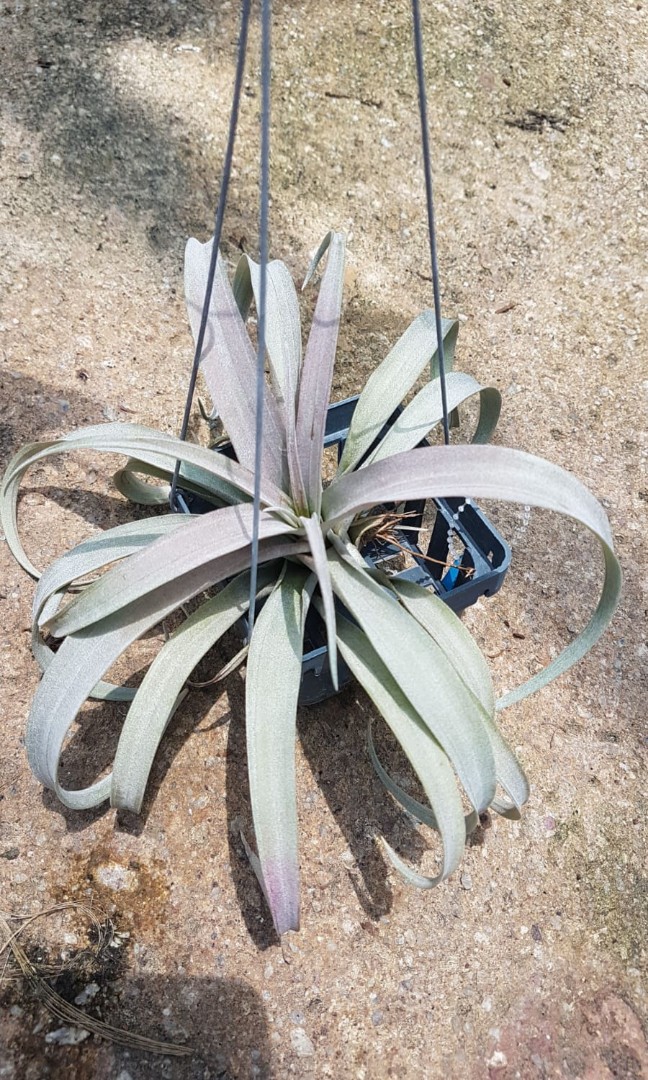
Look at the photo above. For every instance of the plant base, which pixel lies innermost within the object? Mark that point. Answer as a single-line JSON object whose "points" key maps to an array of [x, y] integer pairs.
{"points": [[457, 552]]}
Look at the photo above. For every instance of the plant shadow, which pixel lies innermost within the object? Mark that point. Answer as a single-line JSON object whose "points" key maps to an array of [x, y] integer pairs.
{"points": [[221, 1021], [30, 407], [97, 508], [333, 736]]}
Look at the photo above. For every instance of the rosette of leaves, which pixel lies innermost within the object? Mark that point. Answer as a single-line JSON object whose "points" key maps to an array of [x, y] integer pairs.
{"points": [[412, 655]]}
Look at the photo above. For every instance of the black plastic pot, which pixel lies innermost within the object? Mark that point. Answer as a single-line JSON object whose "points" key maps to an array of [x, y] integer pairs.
{"points": [[459, 579]]}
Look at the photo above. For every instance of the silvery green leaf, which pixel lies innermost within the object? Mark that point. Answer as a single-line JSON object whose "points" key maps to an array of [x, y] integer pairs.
{"points": [[133, 440], [450, 634], [425, 411], [224, 672], [317, 258], [84, 658], [242, 286], [255, 863], [102, 691], [464, 654], [416, 809], [424, 752], [192, 479], [317, 373], [128, 483], [228, 363], [426, 678], [510, 775], [157, 695], [284, 346], [272, 689], [205, 540], [393, 379], [283, 327], [350, 554], [488, 472], [195, 481], [100, 550], [409, 876], [84, 559], [78, 665]]}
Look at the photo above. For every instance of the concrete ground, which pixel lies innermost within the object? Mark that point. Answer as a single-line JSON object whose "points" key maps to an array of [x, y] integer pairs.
{"points": [[530, 962]]}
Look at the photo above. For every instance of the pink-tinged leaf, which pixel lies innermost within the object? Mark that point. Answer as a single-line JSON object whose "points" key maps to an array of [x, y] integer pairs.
{"points": [[272, 690], [228, 363], [488, 472], [317, 372], [204, 540]]}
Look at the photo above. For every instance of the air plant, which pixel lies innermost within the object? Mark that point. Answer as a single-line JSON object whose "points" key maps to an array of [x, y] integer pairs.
{"points": [[412, 655]]}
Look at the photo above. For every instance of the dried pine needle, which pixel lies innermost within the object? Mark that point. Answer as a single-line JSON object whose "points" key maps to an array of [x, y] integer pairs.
{"points": [[57, 1006]]}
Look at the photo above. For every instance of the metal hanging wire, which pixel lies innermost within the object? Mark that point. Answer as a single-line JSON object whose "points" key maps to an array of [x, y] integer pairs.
{"points": [[429, 195], [176, 501], [266, 34]]}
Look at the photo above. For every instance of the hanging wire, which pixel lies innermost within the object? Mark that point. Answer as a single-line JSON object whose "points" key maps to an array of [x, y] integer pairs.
{"points": [[427, 168], [266, 32], [175, 500]]}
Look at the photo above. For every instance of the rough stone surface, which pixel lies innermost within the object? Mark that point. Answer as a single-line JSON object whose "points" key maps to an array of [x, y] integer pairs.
{"points": [[113, 119]]}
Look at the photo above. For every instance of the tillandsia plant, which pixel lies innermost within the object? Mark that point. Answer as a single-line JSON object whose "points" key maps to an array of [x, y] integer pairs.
{"points": [[408, 650]]}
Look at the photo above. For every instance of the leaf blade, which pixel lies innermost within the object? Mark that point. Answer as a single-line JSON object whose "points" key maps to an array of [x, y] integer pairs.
{"points": [[84, 559], [221, 474], [284, 347], [464, 654], [205, 540], [84, 657], [423, 751], [421, 670], [157, 696], [271, 708], [283, 328], [317, 372], [313, 531], [425, 411], [229, 364], [489, 472], [392, 380]]}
